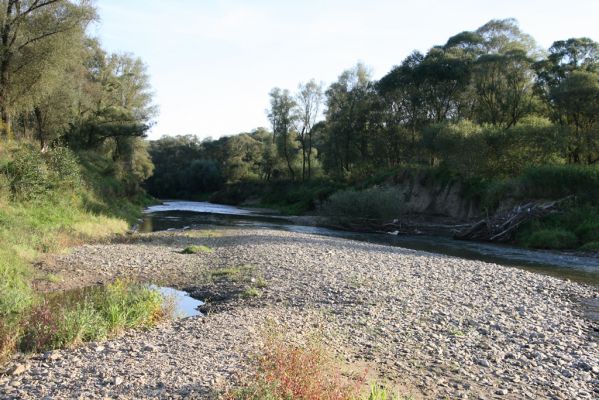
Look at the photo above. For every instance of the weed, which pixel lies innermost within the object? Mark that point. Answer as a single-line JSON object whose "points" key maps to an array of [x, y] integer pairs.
{"points": [[235, 274], [251, 292], [260, 282], [53, 278], [90, 314], [381, 392], [286, 370], [197, 249]]}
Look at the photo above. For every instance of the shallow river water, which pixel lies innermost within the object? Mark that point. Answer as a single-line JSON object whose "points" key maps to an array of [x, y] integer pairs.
{"points": [[189, 214]]}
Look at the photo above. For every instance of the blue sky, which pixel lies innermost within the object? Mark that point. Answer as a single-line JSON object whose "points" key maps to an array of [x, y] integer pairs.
{"points": [[213, 62]]}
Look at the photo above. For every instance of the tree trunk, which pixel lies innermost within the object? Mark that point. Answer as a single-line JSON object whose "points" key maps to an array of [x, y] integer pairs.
{"points": [[4, 112], [39, 119], [309, 154]]}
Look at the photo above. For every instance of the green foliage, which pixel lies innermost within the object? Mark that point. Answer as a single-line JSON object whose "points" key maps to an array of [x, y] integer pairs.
{"points": [[251, 292], [551, 239], [372, 203], [576, 225], [77, 198], [33, 175], [64, 169], [591, 246], [28, 174], [557, 181]]}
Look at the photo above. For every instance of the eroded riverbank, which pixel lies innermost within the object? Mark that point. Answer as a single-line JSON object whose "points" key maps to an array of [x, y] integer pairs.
{"points": [[438, 325]]}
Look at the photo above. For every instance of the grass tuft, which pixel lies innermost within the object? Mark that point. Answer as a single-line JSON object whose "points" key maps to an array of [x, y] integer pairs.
{"points": [[197, 249], [91, 314]]}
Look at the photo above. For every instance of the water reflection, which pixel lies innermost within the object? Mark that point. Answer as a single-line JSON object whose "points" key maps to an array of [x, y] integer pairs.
{"points": [[185, 305]]}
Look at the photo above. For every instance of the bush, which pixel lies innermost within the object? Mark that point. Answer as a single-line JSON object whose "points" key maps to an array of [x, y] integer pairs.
{"points": [[591, 246], [374, 203], [28, 174], [32, 175], [588, 231], [63, 165], [552, 239], [557, 181]]}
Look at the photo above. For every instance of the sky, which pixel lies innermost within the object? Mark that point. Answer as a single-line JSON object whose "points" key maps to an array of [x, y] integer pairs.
{"points": [[212, 63]]}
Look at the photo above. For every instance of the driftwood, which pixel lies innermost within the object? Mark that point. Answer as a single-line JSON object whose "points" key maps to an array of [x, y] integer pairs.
{"points": [[502, 226]]}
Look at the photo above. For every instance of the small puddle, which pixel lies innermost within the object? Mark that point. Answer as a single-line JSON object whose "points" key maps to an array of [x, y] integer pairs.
{"points": [[185, 305]]}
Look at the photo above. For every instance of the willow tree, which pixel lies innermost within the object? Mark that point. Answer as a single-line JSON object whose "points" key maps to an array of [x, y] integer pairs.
{"points": [[281, 118], [308, 102], [28, 31]]}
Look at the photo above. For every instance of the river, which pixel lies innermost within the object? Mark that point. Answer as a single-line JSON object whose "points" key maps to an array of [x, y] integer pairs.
{"points": [[189, 214]]}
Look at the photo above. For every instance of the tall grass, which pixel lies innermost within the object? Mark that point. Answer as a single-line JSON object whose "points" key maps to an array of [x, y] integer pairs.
{"points": [[91, 314]]}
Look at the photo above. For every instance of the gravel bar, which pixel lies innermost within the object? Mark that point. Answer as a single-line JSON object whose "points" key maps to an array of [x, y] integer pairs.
{"points": [[437, 326]]}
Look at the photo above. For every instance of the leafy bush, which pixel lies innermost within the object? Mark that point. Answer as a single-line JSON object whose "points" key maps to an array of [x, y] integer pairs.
{"points": [[64, 168], [28, 174], [373, 203], [33, 175]]}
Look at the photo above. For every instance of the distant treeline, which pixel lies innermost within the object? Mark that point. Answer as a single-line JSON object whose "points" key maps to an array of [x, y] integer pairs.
{"points": [[488, 103]]}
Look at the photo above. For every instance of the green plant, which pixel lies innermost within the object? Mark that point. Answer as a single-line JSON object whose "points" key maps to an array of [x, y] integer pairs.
{"points": [[382, 392], [197, 249], [65, 320], [591, 246], [243, 273], [251, 292], [298, 372]]}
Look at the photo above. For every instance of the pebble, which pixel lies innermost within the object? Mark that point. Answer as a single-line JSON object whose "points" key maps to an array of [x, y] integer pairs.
{"points": [[447, 327]]}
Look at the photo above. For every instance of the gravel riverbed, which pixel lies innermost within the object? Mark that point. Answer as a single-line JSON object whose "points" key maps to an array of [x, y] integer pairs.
{"points": [[437, 326]]}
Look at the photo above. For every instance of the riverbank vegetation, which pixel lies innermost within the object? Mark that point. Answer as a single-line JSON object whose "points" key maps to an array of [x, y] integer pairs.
{"points": [[72, 159], [489, 108]]}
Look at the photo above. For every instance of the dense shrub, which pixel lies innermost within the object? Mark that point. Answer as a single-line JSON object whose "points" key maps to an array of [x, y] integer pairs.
{"points": [[28, 174], [32, 174], [64, 168]]}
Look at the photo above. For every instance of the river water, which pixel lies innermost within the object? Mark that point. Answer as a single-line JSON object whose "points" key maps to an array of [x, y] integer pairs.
{"points": [[189, 214]]}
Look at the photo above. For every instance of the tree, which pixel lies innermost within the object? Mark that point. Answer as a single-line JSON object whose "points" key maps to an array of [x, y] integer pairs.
{"points": [[577, 99], [504, 88], [308, 101], [281, 118], [26, 26]]}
